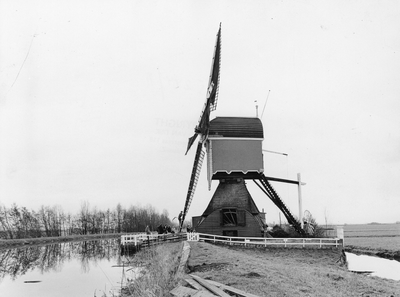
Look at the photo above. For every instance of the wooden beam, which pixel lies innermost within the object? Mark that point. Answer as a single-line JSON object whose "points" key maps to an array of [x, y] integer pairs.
{"points": [[215, 290], [251, 175], [182, 291], [203, 293], [282, 180], [230, 289], [184, 259], [194, 284]]}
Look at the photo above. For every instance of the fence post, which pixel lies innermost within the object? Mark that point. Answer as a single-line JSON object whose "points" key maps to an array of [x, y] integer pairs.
{"points": [[340, 233]]}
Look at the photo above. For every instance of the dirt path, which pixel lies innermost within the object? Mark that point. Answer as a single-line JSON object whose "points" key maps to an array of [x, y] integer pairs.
{"points": [[284, 272]]}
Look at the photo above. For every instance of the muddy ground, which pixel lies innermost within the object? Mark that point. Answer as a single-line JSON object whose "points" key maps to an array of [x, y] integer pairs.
{"points": [[284, 272]]}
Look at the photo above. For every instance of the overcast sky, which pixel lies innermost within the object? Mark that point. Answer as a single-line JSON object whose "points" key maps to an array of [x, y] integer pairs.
{"points": [[98, 99]]}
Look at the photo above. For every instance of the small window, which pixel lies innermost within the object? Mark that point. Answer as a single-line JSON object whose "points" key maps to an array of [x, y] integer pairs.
{"points": [[229, 217]]}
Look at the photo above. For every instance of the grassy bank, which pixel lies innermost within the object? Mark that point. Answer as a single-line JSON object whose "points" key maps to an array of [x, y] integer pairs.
{"points": [[382, 253], [260, 271], [158, 276], [284, 272]]}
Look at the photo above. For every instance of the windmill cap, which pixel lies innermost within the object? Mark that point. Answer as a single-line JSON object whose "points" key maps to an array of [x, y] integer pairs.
{"points": [[237, 127]]}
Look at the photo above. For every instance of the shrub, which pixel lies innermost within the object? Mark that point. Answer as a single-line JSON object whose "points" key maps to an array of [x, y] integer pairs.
{"points": [[278, 232]]}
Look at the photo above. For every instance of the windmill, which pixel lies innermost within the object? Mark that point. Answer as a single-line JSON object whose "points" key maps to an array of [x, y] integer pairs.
{"points": [[203, 125], [234, 154]]}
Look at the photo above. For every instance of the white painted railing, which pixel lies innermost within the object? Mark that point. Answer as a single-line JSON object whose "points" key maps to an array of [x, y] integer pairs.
{"points": [[193, 236], [134, 239], [260, 241], [139, 238]]}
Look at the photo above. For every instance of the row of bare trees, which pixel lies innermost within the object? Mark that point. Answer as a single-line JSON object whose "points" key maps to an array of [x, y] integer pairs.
{"points": [[19, 222]]}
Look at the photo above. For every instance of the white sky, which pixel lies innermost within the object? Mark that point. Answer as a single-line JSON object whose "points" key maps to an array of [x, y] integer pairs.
{"points": [[98, 98]]}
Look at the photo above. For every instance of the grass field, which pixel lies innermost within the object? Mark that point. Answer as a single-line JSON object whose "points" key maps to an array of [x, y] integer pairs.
{"points": [[378, 237]]}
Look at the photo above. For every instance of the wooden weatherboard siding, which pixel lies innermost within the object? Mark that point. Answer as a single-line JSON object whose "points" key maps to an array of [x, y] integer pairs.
{"points": [[231, 194], [234, 149], [212, 225], [235, 155]]}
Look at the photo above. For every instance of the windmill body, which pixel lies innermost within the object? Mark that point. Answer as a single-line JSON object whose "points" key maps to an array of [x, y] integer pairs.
{"points": [[234, 153], [234, 147]]}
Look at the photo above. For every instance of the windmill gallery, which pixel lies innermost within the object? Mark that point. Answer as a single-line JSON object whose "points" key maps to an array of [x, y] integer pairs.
{"points": [[233, 146]]}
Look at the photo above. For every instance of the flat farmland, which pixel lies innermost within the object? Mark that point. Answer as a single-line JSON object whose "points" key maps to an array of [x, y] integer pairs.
{"points": [[373, 236]]}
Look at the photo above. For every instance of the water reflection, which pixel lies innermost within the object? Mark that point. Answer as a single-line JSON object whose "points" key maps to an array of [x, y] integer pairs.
{"points": [[16, 262], [61, 264]]}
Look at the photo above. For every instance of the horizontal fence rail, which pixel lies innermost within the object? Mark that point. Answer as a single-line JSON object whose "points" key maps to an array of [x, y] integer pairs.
{"points": [[260, 241], [143, 239]]}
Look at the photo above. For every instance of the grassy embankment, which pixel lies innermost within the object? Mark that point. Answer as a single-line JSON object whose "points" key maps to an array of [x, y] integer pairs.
{"points": [[158, 277], [260, 271]]}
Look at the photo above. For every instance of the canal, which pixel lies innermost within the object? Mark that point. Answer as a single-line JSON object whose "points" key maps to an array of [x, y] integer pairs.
{"points": [[86, 268], [374, 266]]}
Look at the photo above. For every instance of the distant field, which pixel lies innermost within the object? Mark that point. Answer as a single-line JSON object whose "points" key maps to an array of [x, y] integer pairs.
{"points": [[380, 236]]}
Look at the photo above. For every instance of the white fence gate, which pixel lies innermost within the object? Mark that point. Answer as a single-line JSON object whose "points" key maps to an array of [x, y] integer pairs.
{"points": [[193, 236]]}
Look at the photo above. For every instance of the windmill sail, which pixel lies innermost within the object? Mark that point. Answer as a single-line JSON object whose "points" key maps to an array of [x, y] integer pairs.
{"points": [[198, 162], [213, 84], [190, 142], [212, 95], [204, 123]]}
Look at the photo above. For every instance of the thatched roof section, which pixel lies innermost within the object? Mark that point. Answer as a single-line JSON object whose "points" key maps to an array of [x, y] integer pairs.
{"points": [[231, 194]]}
